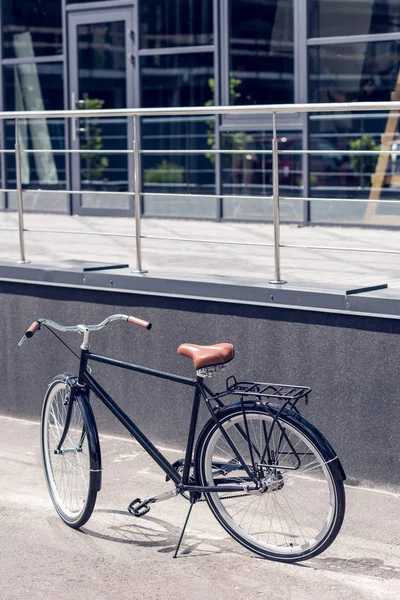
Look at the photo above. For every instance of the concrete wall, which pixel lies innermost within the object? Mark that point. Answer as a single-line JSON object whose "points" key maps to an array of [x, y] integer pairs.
{"points": [[350, 361]]}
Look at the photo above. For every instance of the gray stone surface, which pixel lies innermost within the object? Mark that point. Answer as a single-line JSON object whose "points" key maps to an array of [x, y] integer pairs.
{"points": [[118, 556], [325, 267]]}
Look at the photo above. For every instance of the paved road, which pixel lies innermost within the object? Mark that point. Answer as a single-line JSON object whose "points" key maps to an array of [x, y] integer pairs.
{"points": [[119, 556], [324, 267]]}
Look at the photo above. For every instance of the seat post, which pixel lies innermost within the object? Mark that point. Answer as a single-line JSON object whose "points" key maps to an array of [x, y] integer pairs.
{"points": [[192, 431]]}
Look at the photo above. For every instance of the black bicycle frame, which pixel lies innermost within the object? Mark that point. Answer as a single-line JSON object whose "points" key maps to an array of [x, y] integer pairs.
{"points": [[86, 379]]}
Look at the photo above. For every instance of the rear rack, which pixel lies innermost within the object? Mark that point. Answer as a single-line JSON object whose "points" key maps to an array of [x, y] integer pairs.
{"points": [[290, 394]]}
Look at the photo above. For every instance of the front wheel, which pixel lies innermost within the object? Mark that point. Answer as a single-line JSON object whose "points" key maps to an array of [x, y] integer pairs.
{"points": [[298, 507], [73, 472]]}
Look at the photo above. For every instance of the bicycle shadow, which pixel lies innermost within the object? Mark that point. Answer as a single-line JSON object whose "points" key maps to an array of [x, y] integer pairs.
{"points": [[118, 526]]}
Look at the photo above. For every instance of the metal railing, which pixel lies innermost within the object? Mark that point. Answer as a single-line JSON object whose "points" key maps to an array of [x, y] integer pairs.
{"points": [[136, 114]]}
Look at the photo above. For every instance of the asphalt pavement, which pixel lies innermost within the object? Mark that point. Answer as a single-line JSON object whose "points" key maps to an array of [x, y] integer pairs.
{"points": [[116, 555]]}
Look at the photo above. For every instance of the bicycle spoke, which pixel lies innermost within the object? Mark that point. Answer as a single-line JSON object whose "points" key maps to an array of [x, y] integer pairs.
{"points": [[293, 509], [69, 469]]}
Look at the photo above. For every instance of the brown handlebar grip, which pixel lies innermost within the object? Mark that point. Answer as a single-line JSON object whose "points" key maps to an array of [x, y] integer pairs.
{"points": [[32, 329], [139, 322]]}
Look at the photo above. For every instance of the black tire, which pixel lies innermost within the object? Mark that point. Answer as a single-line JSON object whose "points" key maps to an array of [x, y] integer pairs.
{"points": [[73, 476], [301, 508]]}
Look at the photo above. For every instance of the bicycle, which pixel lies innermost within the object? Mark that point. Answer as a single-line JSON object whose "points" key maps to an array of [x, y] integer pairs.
{"points": [[269, 476]]}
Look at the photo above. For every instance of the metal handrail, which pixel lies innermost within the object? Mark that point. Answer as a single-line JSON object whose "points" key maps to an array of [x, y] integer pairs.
{"points": [[137, 113], [253, 109]]}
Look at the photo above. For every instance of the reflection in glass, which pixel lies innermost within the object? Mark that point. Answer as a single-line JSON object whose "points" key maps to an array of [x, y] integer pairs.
{"points": [[340, 17], [31, 28], [36, 87], [166, 23], [102, 84], [359, 72], [177, 80], [178, 173], [261, 52], [354, 72], [250, 174]]}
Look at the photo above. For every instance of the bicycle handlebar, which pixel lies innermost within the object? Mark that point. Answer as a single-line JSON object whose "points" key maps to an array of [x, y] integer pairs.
{"points": [[81, 328]]}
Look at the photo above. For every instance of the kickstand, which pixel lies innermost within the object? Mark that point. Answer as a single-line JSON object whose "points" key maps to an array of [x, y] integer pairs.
{"points": [[193, 500]]}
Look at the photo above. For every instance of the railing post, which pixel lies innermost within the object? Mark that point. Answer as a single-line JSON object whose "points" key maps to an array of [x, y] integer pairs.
{"points": [[136, 162], [275, 189], [19, 196]]}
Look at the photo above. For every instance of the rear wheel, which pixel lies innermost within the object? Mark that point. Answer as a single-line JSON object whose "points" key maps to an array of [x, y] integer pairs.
{"points": [[299, 507], [73, 472]]}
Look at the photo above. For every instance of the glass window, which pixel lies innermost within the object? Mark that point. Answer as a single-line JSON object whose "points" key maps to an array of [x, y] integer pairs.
{"points": [[31, 28], [250, 174], [340, 17], [33, 86], [102, 63], [178, 173], [177, 80], [261, 52], [36, 87], [353, 72], [360, 72], [166, 23]]}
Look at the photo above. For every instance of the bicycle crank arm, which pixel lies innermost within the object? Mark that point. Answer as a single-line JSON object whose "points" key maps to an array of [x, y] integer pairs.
{"points": [[139, 507]]}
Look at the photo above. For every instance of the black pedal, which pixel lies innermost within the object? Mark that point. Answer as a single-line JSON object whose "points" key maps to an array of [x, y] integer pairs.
{"points": [[138, 508]]}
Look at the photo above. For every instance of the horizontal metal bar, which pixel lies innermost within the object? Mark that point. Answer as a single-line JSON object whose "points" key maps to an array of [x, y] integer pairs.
{"points": [[212, 196], [341, 249], [337, 152], [36, 191], [253, 109], [148, 237], [266, 197], [203, 241], [77, 150], [74, 232], [184, 195], [207, 151], [211, 151], [319, 199]]}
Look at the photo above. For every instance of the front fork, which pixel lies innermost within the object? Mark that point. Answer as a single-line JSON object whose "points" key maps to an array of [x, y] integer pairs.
{"points": [[70, 398]]}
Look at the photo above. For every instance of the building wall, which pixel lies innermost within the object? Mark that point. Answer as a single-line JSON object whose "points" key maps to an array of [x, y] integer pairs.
{"points": [[351, 363]]}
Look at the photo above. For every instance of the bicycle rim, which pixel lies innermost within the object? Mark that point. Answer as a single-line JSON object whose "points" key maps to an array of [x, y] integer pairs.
{"points": [[68, 473], [301, 509]]}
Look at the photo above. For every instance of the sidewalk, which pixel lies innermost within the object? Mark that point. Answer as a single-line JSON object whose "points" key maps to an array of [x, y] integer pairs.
{"points": [[198, 260], [118, 556]]}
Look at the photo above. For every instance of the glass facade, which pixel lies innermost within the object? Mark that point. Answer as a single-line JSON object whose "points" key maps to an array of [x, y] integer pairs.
{"points": [[327, 18], [31, 28], [176, 79], [181, 53], [261, 52], [169, 23]]}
